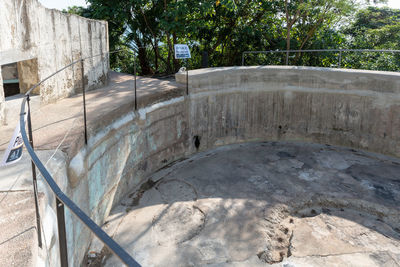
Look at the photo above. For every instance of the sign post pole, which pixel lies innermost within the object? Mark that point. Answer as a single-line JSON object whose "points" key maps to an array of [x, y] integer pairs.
{"points": [[134, 70], [187, 76], [39, 229], [84, 99], [182, 52]]}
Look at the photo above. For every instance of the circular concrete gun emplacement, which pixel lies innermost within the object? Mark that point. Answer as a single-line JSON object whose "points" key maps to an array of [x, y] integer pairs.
{"points": [[290, 204], [291, 166]]}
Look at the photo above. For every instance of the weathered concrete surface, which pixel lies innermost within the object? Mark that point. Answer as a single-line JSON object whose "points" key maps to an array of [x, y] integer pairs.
{"points": [[30, 31], [60, 126], [104, 105], [2, 102], [292, 204], [126, 146], [351, 108], [18, 235], [18, 238], [12, 111], [19, 244], [29, 75]]}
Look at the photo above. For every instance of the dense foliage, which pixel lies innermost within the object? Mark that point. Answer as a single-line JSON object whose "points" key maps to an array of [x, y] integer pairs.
{"points": [[218, 31], [377, 28]]}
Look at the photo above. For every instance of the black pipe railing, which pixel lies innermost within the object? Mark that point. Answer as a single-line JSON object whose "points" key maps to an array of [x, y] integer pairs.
{"points": [[61, 199]]}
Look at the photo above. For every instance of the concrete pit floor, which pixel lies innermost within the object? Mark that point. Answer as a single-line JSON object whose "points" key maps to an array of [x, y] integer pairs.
{"points": [[254, 204]]}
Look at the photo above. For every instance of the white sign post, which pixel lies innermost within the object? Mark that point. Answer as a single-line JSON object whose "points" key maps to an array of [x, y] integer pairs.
{"points": [[14, 149], [182, 52]]}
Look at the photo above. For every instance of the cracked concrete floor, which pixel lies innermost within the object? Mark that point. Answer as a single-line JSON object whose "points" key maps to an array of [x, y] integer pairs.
{"points": [[254, 204]]}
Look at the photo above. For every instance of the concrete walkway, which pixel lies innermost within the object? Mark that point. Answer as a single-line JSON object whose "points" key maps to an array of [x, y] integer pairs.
{"points": [[285, 204], [53, 121], [55, 124]]}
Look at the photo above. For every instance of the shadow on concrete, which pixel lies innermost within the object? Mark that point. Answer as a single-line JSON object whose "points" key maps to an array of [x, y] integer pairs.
{"points": [[264, 202], [17, 235]]}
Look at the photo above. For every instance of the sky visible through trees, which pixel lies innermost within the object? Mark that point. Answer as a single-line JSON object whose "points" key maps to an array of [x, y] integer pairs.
{"points": [[64, 4], [218, 31]]}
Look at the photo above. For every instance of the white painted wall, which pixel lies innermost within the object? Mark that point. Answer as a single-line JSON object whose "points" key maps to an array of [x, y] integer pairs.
{"points": [[29, 30]]}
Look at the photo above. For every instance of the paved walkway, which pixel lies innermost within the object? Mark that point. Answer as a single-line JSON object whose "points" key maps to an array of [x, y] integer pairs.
{"points": [[52, 122], [286, 204]]}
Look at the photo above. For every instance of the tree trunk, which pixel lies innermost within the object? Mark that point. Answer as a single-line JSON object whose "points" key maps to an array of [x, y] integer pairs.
{"points": [[156, 55], [142, 55], [289, 24], [176, 62], [288, 28], [287, 44], [308, 37], [170, 51]]}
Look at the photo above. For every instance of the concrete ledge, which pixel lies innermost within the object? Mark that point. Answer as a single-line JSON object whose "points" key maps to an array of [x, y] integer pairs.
{"points": [[353, 108], [291, 77]]}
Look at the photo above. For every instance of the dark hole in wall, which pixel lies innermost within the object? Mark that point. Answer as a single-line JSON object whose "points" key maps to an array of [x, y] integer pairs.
{"points": [[11, 89], [196, 140], [20, 76]]}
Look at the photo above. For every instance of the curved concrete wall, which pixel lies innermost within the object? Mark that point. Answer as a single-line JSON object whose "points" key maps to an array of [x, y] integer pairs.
{"points": [[357, 109], [343, 107]]}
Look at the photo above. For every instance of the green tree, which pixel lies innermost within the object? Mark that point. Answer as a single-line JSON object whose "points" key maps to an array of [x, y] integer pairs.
{"points": [[223, 29], [304, 19], [374, 28]]}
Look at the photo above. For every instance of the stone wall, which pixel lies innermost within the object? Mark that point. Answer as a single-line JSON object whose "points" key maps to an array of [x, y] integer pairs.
{"points": [[357, 109], [30, 31]]}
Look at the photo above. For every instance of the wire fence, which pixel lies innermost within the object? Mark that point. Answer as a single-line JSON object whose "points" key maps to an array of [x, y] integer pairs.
{"points": [[372, 59]]}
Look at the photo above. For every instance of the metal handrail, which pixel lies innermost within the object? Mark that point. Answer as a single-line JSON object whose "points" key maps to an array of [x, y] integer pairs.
{"points": [[61, 198], [318, 50]]}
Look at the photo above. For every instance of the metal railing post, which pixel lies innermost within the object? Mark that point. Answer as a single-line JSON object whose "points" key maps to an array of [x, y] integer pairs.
{"points": [[187, 76], [134, 70], [34, 178], [340, 58], [287, 57], [62, 237], [84, 100]]}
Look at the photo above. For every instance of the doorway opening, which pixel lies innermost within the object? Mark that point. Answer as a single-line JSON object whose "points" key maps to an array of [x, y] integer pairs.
{"points": [[18, 78]]}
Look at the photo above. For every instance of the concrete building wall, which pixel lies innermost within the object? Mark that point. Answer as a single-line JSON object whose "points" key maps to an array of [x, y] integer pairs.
{"points": [[359, 109], [30, 31], [2, 102], [29, 75]]}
